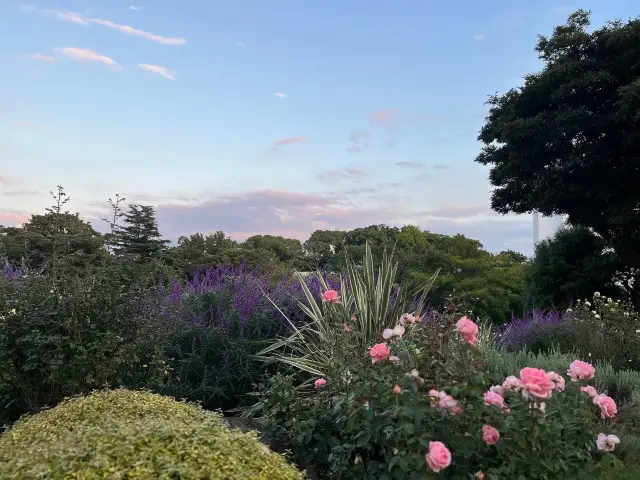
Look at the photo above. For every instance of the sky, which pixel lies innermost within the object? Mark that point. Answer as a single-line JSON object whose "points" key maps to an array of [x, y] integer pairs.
{"points": [[257, 117]]}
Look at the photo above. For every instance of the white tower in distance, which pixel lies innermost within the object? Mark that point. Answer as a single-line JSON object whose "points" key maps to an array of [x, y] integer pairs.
{"points": [[536, 230]]}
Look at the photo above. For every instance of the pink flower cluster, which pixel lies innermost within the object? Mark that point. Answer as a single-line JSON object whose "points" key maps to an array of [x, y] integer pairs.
{"points": [[379, 352], [468, 329], [331, 296], [445, 402]]}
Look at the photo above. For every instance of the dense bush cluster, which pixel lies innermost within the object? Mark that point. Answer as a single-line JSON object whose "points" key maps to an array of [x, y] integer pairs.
{"points": [[128, 434]]}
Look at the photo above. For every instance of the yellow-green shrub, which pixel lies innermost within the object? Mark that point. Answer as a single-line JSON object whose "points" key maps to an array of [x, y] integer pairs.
{"points": [[134, 435]]}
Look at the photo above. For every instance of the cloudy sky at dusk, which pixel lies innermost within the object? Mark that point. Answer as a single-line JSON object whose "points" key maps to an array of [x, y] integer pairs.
{"points": [[277, 117]]}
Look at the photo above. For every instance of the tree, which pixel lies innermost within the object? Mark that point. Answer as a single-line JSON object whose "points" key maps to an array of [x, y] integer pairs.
{"points": [[572, 265], [568, 141], [196, 250], [139, 236]]}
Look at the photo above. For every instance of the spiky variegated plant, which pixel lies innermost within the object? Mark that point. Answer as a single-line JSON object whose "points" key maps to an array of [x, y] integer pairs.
{"points": [[367, 302]]}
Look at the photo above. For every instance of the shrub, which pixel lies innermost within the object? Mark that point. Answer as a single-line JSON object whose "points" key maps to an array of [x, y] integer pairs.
{"points": [[421, 389], [537, 330], [127, 434]]}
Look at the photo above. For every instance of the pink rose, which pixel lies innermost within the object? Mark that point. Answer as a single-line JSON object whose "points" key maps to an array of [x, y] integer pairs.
{"points": [[397, 390], [497, 389], [319, 383], [394, 359], [558, 381], [490, 435], [589, 390], [379, 352], [607, 443], [579, 370], [536, 383], [493, 398], [439, 456], [445, 402], [331, 296], [468, 330], [512, 383], [608, 408]]}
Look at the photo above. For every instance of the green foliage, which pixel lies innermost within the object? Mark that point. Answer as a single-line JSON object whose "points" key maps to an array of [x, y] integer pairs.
{"points": [[566, 142], [138, 237], [369, 300], [572, 264], [127, 434], [360, 426], [68, 336]]}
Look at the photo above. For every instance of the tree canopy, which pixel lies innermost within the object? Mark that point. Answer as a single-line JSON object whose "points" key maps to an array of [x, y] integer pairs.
{"points": [[568, 140]]}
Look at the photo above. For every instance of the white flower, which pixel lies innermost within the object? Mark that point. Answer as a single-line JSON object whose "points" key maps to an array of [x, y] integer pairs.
{"points": [[398, 330], [417, 351], [609, 300], [626, 314], [387, 334], [597, 316], [569, 310], [597, 294], [607, 443], [587, 303], [407, 318], [414, 373], [594, 312]]}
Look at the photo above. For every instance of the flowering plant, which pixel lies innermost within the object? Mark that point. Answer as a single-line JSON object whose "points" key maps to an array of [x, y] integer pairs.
{"points": [[418, 404]]}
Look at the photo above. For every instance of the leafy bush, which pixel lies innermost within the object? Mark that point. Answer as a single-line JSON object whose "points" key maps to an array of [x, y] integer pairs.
{"points": [[127, 434], [600, 329], [61, 337], [376, 415]]}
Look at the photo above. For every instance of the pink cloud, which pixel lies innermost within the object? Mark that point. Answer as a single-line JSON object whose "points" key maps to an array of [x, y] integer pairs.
{"points": [[11, 218], [384, 117], [87, 55], [157, 69], [41, 57], [80, 19], [289, 141], [139, 33], [346, 173]]}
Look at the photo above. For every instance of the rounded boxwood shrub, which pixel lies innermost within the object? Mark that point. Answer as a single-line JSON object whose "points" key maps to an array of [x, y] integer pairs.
{"points": [[134, 435]]}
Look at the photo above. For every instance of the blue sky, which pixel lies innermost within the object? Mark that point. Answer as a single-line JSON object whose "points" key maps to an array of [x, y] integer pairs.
{"points": [[265, 117]]}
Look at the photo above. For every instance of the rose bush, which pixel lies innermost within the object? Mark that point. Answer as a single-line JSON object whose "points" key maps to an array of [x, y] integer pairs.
{"points": [[418, 404]]}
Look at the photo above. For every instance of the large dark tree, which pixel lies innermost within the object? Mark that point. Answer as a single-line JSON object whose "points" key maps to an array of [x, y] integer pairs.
{"points": [[571, 265], [138, 236], [568, 141]]}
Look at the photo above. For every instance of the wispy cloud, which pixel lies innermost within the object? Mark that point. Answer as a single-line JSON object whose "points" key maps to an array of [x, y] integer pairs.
{"points": [[41, 57], [5, 181], [384, 117], [288, 141], [354, 149], [81, 19], [416, 165], [478, 36], [139, 33], [441, 166], [133, 7], [87, 55], [281, 95], [165, 72], [347, 173]]}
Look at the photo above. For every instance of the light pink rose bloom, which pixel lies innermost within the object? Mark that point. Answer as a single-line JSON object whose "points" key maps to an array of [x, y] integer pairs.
{"points": [[608, 408], [536, 383], [397, 389], [379, 352], [558, 381], [579, 370], [512, 383], [439, 456], [331, 296], [394, 359], [607, 443], [468, 329], [589, 390], [319, 383], [490, 435], [497, 389], [493, 398], [445, 402]]}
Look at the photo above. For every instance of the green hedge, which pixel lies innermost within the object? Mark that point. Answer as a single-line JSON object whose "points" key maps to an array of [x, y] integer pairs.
{"points": [[134, 435]]}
